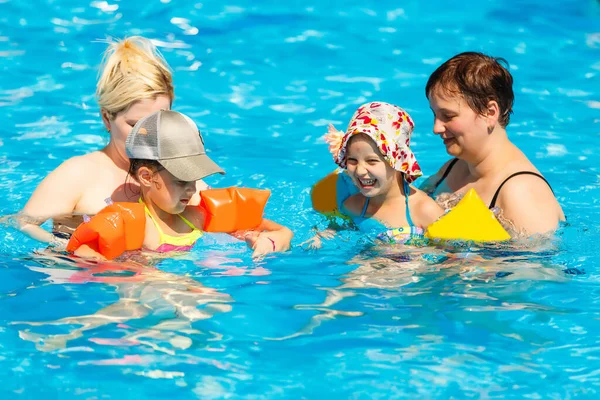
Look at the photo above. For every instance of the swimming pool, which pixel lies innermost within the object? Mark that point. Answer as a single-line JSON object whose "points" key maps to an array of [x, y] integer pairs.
{"points": [[262, 80]]}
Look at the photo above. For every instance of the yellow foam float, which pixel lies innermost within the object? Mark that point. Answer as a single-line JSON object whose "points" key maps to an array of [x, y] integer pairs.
{"points": [[471, 220]]}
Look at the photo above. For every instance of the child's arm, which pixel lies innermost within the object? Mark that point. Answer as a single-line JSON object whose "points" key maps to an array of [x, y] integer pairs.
{"points": [[85, 251], [266, 238], [427, 210], [151, 241], [335, 224]]}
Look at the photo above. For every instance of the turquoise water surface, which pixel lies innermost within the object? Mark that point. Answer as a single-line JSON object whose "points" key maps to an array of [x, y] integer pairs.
{"points": [[263, 79]]}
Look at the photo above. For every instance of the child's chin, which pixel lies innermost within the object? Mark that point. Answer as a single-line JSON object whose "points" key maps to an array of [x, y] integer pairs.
{"points": [[369, 192], [178, 209]]}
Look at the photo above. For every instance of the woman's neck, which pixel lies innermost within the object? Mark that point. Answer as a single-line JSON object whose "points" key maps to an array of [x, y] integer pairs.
{"points": [[493, 157], [119, 158]]}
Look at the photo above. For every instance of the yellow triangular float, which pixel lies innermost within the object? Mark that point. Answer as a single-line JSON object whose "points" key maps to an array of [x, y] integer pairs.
{"points": [[471, 219]]}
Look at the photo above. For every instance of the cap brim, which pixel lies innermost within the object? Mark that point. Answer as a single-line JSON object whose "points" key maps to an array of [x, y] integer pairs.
{"points": [[192, 168]]}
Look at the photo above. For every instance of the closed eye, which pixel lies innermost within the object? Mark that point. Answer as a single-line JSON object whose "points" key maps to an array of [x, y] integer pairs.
{"points": [[445, 115]]}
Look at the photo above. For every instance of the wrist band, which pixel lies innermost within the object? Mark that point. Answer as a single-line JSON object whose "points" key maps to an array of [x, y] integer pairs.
{"points": [[272, 241]]}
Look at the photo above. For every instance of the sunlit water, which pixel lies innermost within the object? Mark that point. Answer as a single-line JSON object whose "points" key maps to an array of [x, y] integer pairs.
{"points": [[262, 80]]}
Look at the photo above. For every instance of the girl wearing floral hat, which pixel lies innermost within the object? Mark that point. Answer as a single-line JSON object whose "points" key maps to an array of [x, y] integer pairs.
{"points": [[375, 153]]}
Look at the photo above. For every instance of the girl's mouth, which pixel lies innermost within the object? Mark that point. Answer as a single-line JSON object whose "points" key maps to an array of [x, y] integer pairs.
{"points": [[367, 183]]}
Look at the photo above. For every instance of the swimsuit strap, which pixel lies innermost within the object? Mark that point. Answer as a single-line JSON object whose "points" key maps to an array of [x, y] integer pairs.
{"points": [[493, 203], [406, 193], [164, 237], [446, 172], [160, 231], [364, 210], [188, 223]]}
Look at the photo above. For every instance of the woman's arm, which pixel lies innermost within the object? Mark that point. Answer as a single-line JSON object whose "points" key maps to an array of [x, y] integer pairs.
{"points": [[57, 195]]}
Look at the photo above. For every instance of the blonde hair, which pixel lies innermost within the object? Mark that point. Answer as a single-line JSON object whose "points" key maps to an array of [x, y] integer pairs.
{"points": [[132, 69]]}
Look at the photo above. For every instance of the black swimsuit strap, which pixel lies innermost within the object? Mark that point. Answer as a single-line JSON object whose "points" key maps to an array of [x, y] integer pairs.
{"points": [[446, 172], [493, 203]]}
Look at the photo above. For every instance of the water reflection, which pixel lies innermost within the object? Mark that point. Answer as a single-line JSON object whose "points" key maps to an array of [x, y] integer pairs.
{"points": [[174, 301]]}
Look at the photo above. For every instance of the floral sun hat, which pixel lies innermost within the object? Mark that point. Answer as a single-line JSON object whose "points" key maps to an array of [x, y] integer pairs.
{"points": [[389, 126]]}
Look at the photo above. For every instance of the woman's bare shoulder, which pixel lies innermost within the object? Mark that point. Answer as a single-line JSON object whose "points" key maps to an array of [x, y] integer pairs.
{"points": [[82, 164]]}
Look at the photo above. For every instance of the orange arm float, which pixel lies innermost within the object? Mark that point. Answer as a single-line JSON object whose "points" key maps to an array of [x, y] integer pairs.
{"points": [[324, 194], [117, 228], [233, 209]]}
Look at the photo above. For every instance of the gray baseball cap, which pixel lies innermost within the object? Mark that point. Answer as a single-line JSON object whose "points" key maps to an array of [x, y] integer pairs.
{"points": [[172, 139]]}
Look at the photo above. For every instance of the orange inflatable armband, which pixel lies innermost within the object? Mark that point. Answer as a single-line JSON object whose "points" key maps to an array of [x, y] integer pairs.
{"points": [[324, 194], [329, 193], [117, 228], [233, 209]]}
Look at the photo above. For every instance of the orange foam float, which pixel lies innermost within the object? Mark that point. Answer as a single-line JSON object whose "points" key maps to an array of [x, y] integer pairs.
{"points": [[117, 228], [328, 195], [233, 209]]}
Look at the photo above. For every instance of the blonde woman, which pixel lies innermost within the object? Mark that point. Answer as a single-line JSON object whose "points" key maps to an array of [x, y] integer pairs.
{"points": [[135, 81]]}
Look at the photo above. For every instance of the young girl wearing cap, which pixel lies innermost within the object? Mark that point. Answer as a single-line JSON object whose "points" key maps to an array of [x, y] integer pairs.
{"points": [[375, 152], [167, 159]]}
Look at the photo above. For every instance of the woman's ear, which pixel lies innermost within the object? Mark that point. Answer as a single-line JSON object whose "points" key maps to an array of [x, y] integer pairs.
{"points": [[492, 115], [144, 176], [105, 118]]}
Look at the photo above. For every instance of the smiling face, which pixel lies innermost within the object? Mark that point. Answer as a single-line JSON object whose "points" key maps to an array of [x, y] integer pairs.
{"points": [[463, 131], [367, 167], [121, 124], [166, 192]]}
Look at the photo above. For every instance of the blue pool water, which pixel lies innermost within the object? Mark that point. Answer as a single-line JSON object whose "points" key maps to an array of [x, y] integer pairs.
{"points": [[263, 79]]}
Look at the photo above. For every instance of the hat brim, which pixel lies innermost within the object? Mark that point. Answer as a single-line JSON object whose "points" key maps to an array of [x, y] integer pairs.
{"points": [[192, 168]]}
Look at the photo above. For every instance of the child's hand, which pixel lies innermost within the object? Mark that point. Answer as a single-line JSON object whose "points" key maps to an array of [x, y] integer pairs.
{"points": [[263, 245], [316, 241], [84, 251], [59, 244]]}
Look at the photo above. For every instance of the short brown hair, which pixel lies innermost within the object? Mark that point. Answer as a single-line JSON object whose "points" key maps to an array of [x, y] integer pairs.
{"points": [[479, 79]]}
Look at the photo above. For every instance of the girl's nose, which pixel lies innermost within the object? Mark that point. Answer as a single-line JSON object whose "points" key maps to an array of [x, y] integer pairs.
{"points": [[190, 188], [360, 169]]}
